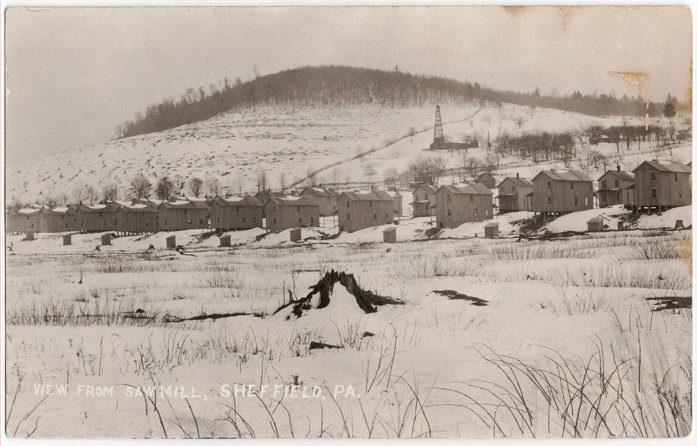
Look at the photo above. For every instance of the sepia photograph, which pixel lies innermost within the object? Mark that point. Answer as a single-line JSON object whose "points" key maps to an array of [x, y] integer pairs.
{"points": [[332, 222]]}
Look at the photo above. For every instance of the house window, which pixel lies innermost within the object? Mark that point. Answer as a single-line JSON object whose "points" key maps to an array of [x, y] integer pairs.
{"points": [[186, 211], [475, 212], [549, 185], [471, 198], [237, 208], [425, 196], [375, 216], [100, 214], [312, 220], [166, 221], [189, 221], [386, 217], [513, 190], [62, 217], [371, 204], [348, 204], [254, 219], [604, 185], [244, 219], [217, 220], [297, 208], [450, 214], [586, 201], [66, 225], [348, 216], [653, 193], [486, 212], [549, 199], [572, 185], [617, 183], [653, 176], [300, 220], [274, 208], [274, 220], [447, 198], [679, 193], [82, 223], [676, 177], [575, 200]]}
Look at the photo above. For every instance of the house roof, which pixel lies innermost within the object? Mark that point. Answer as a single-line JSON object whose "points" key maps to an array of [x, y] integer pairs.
{"points": [[428, 188], [237, 201], [393, 193], [565, 175], [485, 174], [111, 206], [491, 225], [390, 229], [595, 220], [469, 189], [666, 166], [293, 201], [373, 195], [622, 175], [319, 192], [517, 181]]}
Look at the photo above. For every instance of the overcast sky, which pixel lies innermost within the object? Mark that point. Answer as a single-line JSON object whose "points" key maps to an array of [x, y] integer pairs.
{"points": [[74, 74]]}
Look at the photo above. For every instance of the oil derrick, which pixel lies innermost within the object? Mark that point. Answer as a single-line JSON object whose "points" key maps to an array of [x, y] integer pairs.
{"points": [[438, 131]]}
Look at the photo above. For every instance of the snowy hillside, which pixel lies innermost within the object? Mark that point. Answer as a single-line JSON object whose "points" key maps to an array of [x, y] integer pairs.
{"points": [[290, 142]]}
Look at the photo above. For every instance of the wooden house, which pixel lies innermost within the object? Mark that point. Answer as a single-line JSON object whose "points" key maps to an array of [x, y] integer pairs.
{"points": [[137, 218], [57, 220], [486, 179], [661, 185], [456, 205], [99, 217], [561, 192], [264, 195], [512, 192], [364, 209], [423, 202], [181, 214], [396, 202], [406, 180], [291, 212], [235, 213], [326, 198], [23, 220], [615, 187]]}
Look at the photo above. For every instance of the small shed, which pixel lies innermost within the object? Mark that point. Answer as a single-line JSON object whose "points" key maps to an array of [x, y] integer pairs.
{"points": [[67, 239], [225, 241], [106, 239], [30, 235], [491, 230], [595, 224], [171, 242], [295, 235], [389, 235]]}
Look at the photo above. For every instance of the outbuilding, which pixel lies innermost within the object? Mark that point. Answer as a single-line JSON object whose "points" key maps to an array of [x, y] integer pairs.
{"points": [[491, 230], [595, 224], [389, 235]]}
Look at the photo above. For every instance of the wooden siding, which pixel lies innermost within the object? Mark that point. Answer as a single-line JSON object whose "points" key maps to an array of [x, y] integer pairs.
{"points": [[360, 214], [607, 196], [564, 197], [669, 192], [512, 196], [280, 216], [462, 208], [244, 216]]}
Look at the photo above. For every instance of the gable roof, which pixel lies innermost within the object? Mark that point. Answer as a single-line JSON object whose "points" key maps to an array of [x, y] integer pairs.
{"points": [[292, 201], [565, 175], [373, 195], [319, 192], [237, 201], [622, 175], [429, 189], [485, 174], [469, 189], [666, 166], [517, 181]]}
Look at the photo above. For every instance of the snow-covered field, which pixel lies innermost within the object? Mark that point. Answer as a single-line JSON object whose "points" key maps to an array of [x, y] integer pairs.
{"points": [[493, 338], [291, 141]]}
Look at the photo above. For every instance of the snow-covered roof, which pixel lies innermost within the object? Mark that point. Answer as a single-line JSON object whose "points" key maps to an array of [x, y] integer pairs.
{"points": [[469, 189], [565, 175], [667, 166]]}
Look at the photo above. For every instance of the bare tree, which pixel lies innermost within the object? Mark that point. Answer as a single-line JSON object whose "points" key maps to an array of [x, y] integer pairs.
{"points": [[212, 187], [369, 172], [473, 167], [282, 180], [77, 194], [489, 164], [311, 178], [391, 177], [429, 170], [262, 179], [164, 189], [519, 121], [140, 187], [335, 175], [195, 186], [238, 184], [110, 192], [91, 194]]}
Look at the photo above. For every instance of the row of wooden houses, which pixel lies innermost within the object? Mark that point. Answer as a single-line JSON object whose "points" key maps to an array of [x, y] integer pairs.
{"points": [[653, 186], [265, 210]]}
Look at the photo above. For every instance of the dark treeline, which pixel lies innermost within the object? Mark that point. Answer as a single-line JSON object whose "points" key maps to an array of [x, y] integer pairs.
{"points": [[346, 86]]}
